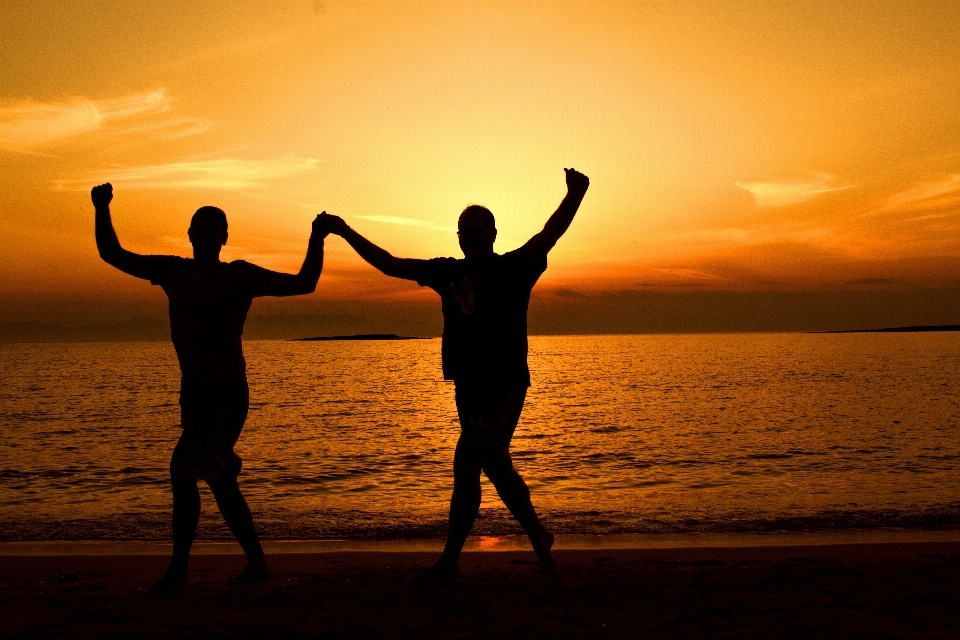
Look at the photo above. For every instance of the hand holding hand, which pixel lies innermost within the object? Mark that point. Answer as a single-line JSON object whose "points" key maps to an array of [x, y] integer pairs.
{"points": [[320, 229], [576, 181], [334, 224], [101, 195]]}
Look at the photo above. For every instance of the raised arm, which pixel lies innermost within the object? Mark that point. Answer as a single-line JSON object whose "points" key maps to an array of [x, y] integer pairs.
{"points": [[107, 243], [559, 222], [381, 259], [286, 284]]}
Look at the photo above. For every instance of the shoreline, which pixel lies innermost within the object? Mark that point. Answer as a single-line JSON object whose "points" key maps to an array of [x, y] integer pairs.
{"points": [[490, 544]]}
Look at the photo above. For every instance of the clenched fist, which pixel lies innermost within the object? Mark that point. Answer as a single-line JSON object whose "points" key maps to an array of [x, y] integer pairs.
{"points": [[576, 181], [101, 195]]}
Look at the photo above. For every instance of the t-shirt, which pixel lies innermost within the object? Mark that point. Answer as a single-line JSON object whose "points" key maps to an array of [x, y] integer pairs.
{"points": [[208, 307], [484, 314]]}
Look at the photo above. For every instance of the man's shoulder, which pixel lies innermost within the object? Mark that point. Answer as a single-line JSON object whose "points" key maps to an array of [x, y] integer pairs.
{"points": [[242, 266], [249, 272], [433, 269], [162, 267], [523, 255], [442, 261]]}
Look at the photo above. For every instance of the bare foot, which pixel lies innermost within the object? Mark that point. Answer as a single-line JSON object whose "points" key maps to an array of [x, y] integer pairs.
{"points": [[443, 571], [170, 581], [254, 572], [542, 549]]}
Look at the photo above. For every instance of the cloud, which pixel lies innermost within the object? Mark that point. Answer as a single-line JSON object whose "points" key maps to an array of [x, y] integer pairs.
{"points": [[755, 235], [30, 123], [409, 222], [225, 173], [569, 293], [877, 281], [685, 274], [940, 194], [781, 194], [172, 129]]}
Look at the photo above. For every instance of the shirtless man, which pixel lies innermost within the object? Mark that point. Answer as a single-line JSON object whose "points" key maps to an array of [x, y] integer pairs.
{"points": [[209, 301], [485, 298]]}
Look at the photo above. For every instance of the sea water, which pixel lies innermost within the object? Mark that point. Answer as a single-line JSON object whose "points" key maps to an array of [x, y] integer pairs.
{"points": [[620, 434]]}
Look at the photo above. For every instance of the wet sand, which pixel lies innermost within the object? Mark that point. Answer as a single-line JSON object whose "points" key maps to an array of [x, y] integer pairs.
{"points": [[891, 590]]}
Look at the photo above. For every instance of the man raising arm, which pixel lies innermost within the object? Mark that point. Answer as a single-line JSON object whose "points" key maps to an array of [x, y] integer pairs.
{"points": [[281, 284], [484, 298], [209, 300]]}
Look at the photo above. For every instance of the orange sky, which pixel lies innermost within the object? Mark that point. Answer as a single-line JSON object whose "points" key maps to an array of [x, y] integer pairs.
{"points": [[730, 145]]}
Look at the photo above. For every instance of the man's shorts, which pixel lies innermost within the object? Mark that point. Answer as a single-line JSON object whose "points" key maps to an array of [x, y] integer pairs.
{"points": [[489, 413], [212, 416]]}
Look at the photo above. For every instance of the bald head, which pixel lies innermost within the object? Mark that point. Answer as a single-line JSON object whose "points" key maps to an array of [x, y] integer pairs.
{"points": [[477, 231]]}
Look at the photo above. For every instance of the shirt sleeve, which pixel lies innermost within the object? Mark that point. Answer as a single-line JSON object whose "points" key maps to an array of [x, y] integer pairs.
{"points": [[254, 280], [159, 268], [529, 266], [434, 273]]}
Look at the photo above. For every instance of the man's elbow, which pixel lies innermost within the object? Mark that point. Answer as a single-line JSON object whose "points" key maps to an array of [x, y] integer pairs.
{"points": [[306, 286], [110, 256]]}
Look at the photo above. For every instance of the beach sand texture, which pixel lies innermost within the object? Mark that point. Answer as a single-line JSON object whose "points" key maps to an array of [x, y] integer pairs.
{"points": [[895, 590]]}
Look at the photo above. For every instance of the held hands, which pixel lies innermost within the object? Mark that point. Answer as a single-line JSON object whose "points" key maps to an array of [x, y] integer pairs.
{"points": [[576, 181], [101, 195], [334, 224], [319, 228]]}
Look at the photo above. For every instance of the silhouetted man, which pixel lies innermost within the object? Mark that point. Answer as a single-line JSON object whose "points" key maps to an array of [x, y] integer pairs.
{"points": [[485, 298], [209, 301]]}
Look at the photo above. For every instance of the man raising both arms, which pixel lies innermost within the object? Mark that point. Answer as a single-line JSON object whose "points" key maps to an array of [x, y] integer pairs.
{"points": [[209, 301], [484, 298]]}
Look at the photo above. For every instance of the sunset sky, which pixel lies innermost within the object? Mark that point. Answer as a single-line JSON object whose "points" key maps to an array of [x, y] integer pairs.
{"points": [[732, 146]]}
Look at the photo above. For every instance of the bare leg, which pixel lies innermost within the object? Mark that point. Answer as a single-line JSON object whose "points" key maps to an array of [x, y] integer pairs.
{"points": [[464, 506], [186, 515], [238, 517], [514, 492]]}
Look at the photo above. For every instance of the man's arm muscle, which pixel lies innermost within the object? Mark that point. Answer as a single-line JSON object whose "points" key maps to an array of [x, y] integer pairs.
{"points": [[286, 284], [379, 258], [559, 222], [107, 242]]}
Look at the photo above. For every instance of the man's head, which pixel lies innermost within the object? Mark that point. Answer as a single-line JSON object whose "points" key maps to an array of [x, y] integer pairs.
{"points": [[477, 230], [208, 232]]}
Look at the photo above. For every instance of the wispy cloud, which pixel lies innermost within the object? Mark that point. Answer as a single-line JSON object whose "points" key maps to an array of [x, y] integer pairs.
{"points": [[29, 123], [940, 194], [224, 173], [781, 194], [685, 274], [755, 235], [409, 222], [171, 129]]}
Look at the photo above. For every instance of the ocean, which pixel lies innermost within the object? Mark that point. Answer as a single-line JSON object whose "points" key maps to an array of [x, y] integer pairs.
{"points": [[707, 433]]}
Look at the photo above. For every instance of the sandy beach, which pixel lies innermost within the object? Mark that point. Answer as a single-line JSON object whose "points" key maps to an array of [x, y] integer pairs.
{"points": [[902, 589]]}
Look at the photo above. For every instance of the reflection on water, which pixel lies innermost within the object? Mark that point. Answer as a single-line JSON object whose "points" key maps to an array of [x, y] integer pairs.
{"points": [[620, 434]]}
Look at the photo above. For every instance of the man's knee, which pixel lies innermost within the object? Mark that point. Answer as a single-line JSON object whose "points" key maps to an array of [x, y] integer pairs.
{"points": [[499, 468], [468, 456], [225, 484], [497, 460], [182, 482], [185, 491]]}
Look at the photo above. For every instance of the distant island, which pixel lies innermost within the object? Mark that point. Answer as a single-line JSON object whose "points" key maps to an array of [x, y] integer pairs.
{"points": [[942, 327], [364, 336]]}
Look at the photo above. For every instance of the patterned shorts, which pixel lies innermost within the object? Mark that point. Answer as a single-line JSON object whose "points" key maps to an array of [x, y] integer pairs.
{"points": [[489, 413], [212, 416]]}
